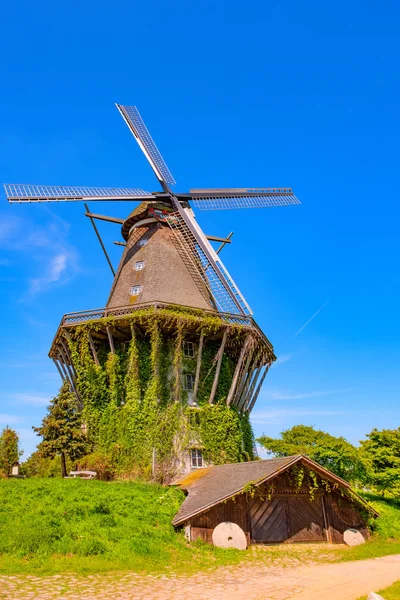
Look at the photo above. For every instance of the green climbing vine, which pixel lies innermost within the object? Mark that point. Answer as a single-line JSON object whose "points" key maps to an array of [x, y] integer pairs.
{"points": [[135, 406]]}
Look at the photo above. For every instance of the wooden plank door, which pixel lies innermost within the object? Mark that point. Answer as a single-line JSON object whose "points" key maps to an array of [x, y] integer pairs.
{"points": [[268, 520], [306, 519]]}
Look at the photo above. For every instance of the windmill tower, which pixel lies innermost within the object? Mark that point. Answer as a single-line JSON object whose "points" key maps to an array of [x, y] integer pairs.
{"points": [[169, 371]]}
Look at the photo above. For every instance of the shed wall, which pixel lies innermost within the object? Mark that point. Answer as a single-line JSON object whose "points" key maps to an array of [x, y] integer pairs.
{"points": [[288, 517]]}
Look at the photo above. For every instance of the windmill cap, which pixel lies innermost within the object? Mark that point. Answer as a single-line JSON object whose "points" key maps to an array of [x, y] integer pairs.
{"points": [[136, 215]]}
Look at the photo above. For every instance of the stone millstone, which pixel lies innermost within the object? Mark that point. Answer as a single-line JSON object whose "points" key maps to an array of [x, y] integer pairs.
{"points": [[353, 537], [229, 535]]}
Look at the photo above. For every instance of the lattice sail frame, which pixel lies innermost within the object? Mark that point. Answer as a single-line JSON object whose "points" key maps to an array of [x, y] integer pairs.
{"points": [[196, 249], [207, 269], [132, 118], [52, 193], [235, 198]]}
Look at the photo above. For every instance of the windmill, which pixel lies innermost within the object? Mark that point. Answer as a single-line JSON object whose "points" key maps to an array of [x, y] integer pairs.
{"points": [[168, 261]]}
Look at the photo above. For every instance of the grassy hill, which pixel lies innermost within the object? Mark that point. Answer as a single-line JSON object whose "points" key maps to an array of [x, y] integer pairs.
{"points": [[55, 525]]}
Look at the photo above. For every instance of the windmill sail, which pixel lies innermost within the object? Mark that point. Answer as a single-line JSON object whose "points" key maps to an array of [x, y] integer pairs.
{"points": [[225, 293], [232, 198], [52, 193], [132, 118]]}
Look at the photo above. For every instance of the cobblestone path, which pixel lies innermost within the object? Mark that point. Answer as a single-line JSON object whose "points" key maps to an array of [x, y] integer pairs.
{"points": [[342, 581]]}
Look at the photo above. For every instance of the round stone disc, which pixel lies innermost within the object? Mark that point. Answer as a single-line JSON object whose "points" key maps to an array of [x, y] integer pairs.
{"points": [[353, 537], [229, 535]]}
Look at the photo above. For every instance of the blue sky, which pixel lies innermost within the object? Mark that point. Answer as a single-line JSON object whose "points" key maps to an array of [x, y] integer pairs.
{"points": [[235, 94]]}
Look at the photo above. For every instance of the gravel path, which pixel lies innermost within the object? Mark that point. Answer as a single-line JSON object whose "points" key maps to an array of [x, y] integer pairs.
{"points": [[341, 581]]}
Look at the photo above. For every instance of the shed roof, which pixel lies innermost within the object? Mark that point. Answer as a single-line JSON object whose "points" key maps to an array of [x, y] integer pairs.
{"points": [[210, 486]]}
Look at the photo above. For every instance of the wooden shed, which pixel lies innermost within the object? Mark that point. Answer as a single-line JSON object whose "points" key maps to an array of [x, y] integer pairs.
{"points": [[281, 500]]}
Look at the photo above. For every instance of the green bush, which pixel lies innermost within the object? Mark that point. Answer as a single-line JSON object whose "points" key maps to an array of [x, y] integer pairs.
{"points": [[99, 462]]}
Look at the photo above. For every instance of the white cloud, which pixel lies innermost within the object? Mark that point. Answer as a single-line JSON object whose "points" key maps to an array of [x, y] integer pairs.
{"points": [[302, 396], [58, 265], [282, 359], [9, 419], [9, 227], [277, 415], [47, 244], [31, 399]]}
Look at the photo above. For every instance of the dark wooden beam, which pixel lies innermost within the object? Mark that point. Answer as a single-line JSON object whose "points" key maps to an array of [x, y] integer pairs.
{"points": [[93, 349], [215, 238], [243, 378], [110, 340], [249, 380], [69, 357], [59, 369], [103, 217], [92, 217], [218, 367], [249, 394], [253, 400], [237, 370], [226, 241], [198, 366]]}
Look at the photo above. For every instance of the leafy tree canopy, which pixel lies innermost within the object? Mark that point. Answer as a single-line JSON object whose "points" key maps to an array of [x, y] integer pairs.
{"points": [[333, 453], [381, 450], [61, 429], [9, 450]]}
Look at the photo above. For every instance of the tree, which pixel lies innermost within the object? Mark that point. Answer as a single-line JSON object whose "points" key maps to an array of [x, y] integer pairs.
{"points": [[9, 450], [333, 453], [381, 450], [61, 429]]}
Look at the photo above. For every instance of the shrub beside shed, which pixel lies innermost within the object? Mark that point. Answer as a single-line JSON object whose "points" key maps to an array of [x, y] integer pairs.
{"points": [[281, 500]]}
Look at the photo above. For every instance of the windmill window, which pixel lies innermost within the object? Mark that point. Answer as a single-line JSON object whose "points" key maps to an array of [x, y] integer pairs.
{"points": [[196, 458], [139, 265], [189, 382], [143, 242], [136, 290], [188, 349]]}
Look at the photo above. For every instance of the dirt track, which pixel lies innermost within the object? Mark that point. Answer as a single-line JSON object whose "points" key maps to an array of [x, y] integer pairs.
{"points": [[342, 581]]}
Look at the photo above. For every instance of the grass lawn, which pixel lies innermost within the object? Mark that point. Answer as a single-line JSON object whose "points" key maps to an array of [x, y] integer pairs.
{"points": [[53, 525], [390, 593]]}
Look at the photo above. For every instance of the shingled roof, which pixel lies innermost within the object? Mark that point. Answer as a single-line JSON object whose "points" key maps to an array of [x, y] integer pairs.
{"points": [[211, 485]]}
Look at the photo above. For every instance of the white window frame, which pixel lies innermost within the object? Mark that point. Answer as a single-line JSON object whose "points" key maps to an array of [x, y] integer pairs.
{"points": [[142, 242], [189, 349], [196, 458], [142, 264], [135, 290]]}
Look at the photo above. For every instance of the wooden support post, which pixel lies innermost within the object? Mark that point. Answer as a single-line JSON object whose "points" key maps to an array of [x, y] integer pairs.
{"points": [[254, 398], [66, 366], [69, 377], [327, 527], [59, 369], [93, 349], [61, 363], [218, 367], [243, 378], [198, 367], [252, 386], [69, 364], [110, 340], [249, 381], [237, 370]]}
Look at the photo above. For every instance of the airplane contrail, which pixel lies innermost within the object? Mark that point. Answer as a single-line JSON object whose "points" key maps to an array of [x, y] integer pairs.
{"points": [[313, 317]]}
